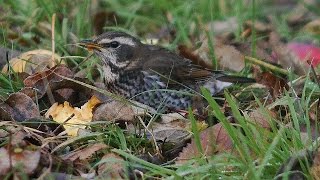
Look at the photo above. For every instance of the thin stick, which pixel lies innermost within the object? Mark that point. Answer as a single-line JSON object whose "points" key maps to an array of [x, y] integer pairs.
{"points": [[152, 136], [52, 36], [266, 65]]}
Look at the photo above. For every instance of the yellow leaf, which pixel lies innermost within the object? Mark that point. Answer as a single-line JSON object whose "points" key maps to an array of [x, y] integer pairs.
{"points": [[33, 61], [62, 113]]}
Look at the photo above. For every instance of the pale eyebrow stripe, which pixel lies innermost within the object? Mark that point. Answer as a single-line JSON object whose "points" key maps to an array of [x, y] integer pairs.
{"points": [[121, 40]]}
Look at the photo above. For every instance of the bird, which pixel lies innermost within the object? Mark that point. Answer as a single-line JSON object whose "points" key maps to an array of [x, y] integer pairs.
{"points": [[153, 75]]}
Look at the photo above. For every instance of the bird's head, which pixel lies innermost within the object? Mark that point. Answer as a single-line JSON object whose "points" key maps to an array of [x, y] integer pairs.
{"points": [[116, 49]]}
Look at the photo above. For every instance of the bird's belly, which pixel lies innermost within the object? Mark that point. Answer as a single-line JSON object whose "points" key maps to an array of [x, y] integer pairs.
{"points": [[151, 91], [164, 99]]}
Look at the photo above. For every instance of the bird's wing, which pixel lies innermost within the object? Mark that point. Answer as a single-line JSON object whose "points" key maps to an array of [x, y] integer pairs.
{"points": [[176, 69], [172, 67]]}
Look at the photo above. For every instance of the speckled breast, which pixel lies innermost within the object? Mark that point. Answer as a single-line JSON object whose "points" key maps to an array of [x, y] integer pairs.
{"points": [[150, 90]]}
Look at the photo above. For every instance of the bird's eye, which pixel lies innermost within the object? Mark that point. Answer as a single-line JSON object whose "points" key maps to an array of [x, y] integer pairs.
{"points": [[114, 44]]}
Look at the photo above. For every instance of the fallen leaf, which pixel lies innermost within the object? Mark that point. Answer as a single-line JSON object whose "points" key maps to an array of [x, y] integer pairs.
{"points": [[261, 50], [19, 107], [14, 157], [84, 153], [285, 56], [261, 119], [41, 79], [72, 118], [111, 166], [114, 111], [173, 128], [276, 85], [33, 61], [228, 57], [315, 168], [213, 140], [5, 161]]}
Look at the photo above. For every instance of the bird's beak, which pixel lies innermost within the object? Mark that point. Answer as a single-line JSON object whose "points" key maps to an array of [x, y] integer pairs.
{"points": [[90, 45]]}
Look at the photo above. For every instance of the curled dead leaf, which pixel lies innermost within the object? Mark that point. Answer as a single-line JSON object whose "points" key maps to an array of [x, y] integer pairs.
{"points": [[72, 119], [214, 139], [114, 111], [261, 119], [228, 57], [111, 166], [285, 56], [51, 80], [84, 153], [276, 85], [19, 107], [33, 61], [52, 74], [173, 128], [14, 157]]}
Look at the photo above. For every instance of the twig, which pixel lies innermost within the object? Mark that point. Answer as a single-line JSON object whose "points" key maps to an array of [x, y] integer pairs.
{"points": [[266, 65], [52, 36], [153, 138]]}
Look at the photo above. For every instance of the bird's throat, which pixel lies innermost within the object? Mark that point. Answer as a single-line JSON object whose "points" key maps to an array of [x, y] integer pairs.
{"points": [[110, 75]]}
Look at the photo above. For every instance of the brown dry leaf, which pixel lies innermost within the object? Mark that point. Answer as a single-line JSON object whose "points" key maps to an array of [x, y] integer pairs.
{"points": [[5, 161], [261, 50], [84, 153], [81, 116], [18, 107], [213, 140], [174, 128], [33, 61], [41, 77], [50, 80], [276, 85], [259, 118], [315, 169], [315, 172], [228, 57], [285, 56], [114, 111], [111, 166], [16, 156]]}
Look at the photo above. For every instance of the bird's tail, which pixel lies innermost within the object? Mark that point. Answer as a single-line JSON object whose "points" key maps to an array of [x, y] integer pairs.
{"points": [[235, 79]]}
